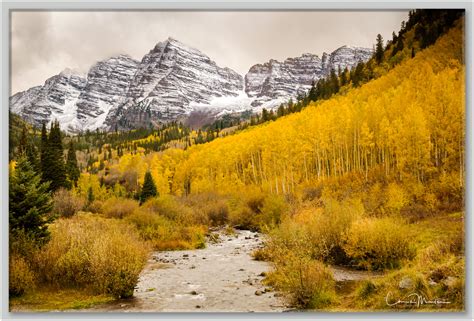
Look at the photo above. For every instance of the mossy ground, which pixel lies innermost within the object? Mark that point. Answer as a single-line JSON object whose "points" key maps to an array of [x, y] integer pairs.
{"points": [[53, 299]]}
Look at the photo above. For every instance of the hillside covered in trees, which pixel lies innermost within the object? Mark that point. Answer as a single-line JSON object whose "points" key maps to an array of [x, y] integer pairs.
{"points": [[367, 171]]}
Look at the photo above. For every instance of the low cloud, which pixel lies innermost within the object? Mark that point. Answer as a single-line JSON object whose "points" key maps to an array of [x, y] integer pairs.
{"points": [[44, 43]]}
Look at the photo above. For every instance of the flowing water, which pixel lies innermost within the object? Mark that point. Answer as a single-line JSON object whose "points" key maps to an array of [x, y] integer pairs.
{"points": [[223, 277]]}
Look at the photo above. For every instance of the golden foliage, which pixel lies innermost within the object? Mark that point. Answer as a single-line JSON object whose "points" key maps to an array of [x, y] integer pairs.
{"points": [[378, 243], [21, 277], [90, 251]]}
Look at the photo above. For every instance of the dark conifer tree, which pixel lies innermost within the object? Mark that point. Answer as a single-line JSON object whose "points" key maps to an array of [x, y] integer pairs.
{"points": [[379, 49], [23, 142], [29, 202], [90, 195], [53, 166], [148, 188], [44, 153], [72, 169]]}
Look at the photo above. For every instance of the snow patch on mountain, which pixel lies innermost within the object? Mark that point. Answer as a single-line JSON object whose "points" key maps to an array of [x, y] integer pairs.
{"points": [[225, 105], [170, 82]]}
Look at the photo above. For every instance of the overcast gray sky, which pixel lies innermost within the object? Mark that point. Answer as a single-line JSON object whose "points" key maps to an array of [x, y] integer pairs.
{"points": [[45, 43]]}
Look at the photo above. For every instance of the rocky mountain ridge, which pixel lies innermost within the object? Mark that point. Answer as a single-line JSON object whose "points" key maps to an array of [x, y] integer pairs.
{"points": [[170, 82], [276, 82]]}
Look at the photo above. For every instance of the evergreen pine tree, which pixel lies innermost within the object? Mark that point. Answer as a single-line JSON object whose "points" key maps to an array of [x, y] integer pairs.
{"points": [[90, 195], [32, 156], [45, 156], [379, 49], [23, 142], [55, 171], [72, 169], [29, 202], [148, 188]]}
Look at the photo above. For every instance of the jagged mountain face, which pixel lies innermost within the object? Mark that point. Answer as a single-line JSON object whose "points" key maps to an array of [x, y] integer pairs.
{"points": [[169, 83], [107, 86], [122, 92], [56, 99], [78, 102], [274, 79], [345, 56], [276, 82], [172, 75]]}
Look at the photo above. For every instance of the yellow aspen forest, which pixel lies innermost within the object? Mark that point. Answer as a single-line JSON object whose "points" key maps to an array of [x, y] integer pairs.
{"points": [[408, 125]]}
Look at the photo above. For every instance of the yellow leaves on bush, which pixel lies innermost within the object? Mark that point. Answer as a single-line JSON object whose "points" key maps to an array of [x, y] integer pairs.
{"points": [[104, 254], [317, 233], [309, 282], [374, 243], [166, 234], [209, 208], [21, 277], [168, 206], [397, 198], [256, 210]]}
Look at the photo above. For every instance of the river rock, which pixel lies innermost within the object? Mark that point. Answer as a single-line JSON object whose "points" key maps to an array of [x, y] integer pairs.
{"points": [[405, 283], [450, 281], [258, 293]]}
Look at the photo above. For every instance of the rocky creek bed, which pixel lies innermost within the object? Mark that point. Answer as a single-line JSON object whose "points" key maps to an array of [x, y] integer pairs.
{"points": [[223, 277]]}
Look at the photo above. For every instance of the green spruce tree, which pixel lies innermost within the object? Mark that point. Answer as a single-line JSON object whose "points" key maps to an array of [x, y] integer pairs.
{"points": [[54, 169], [379, 49], [148, 188], [72, 169], [44, 154], [29, 203]]}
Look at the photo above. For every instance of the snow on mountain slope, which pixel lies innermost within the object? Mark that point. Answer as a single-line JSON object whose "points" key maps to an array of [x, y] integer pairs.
{"points": [[285, 80], [171, 81]]}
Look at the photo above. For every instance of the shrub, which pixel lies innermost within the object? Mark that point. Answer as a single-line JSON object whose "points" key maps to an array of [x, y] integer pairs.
{"points": [[374, 200], [169, 207], [119, 207], [256, 211], [165, 234], [271, 211], [397, 198], [320, 232], [309, 283], [217, 213], [365, 289], [21, 277], [104, 254], [377, 243], [242, 217], [311, 193], [261, 254], [208, 208], [66, 204], [95, 206]]}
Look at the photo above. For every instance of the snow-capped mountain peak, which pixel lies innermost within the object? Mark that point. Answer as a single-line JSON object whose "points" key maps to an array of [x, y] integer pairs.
{"points": [[168, 83]]}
